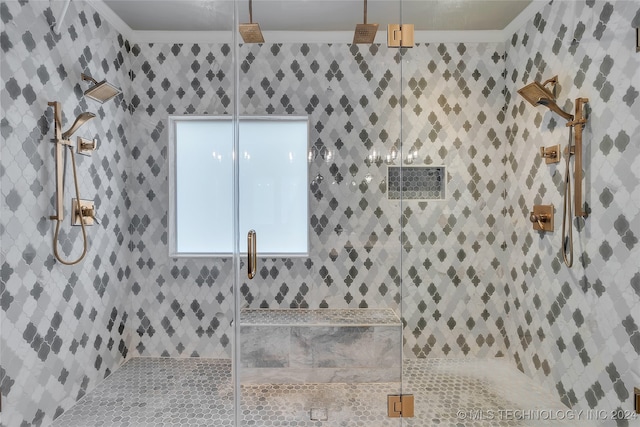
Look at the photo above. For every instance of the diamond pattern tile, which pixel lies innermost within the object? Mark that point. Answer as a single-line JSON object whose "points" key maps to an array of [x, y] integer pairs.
{"points": [[476, 280], [63, 329], [575, 329]]}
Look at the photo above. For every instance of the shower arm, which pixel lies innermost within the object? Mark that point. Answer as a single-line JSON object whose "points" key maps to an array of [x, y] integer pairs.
{"points": [[365, 12], [553, 81], [578, 123], [87, 78]]}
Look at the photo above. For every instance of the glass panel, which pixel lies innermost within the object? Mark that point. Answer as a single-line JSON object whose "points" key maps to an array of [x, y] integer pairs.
{"points": [[320, 336], [273, 184], [451, 268]]}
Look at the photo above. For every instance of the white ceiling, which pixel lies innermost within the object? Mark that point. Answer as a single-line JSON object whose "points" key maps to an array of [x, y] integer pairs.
{"points": [[317, 15]]}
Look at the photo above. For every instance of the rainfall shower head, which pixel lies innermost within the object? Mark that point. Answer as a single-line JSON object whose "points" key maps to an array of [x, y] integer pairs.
{"points": [[80, 120], [537, 94], [365, 33], [533, 92], [251, 32], [100, 91]]}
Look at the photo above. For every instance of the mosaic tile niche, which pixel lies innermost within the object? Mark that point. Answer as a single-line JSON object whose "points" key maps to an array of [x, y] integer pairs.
{"points": [[63, 328], [575, 330], [451, 250]]}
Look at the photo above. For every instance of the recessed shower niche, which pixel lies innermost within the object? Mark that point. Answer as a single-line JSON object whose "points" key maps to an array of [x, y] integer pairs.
{"points": [[422, 183]]}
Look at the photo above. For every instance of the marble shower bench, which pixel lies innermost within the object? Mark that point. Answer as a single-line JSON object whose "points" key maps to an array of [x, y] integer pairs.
{"points": [[291, 346]]}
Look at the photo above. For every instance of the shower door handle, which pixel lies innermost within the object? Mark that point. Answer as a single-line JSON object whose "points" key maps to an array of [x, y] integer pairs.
{"points": [[251, 254]]}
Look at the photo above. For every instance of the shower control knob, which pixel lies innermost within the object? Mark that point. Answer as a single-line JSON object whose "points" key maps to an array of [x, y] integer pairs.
{"points": [[538, 218], [542, 217], [550, 154]]}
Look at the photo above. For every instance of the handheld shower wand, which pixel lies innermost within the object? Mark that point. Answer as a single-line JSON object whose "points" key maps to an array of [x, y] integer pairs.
{"points": [[61, 140], [576, 150], [80, 120], [567, 216]]}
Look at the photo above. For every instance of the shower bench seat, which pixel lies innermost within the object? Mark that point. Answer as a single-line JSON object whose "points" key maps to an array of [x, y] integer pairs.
{"points": [[290, 346]]}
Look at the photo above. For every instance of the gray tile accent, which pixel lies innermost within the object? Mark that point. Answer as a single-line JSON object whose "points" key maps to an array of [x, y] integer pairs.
{"points": [[144, 392], [417, 183], [575, 330], [319, 317], [63, 328], [356, 239], [477, 281], [318, 346]]}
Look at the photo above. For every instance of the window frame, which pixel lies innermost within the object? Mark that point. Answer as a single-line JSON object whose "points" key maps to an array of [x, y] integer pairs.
{"points": [[172, 177]]}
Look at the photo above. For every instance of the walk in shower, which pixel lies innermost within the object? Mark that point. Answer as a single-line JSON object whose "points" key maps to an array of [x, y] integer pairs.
{"points": [[304, 230]]}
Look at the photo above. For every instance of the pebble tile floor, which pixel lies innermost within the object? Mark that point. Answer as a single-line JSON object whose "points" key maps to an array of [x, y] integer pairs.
{"points": [[198, 392]]}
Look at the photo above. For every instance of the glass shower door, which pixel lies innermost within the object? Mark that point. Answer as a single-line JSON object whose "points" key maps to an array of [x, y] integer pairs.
{"points": [[452, 237], [319, 336]]}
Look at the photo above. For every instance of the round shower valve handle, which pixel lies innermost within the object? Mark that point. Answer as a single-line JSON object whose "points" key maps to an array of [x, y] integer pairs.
{"points": [[539, 218]]}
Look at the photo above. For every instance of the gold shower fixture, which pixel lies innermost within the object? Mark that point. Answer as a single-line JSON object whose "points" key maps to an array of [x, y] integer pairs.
{"points": [[537, 94], [251, 32], [400, 35], [61, 140], [100, 91], [365, 33], [542, 217], [550, 154]]}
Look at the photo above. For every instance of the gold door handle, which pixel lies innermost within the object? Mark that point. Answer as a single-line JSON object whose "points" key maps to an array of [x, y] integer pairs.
{"points": [[251, 254]]}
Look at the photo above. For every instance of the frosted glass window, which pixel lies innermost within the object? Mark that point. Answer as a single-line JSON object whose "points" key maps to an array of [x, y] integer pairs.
{"points": [[273, 185]]}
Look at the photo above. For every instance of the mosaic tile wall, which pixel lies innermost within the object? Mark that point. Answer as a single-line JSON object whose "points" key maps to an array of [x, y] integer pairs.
{"points": [[183, 307], [452, 265], [449, 249], [417, 183], [576, 329], [63, 328]]}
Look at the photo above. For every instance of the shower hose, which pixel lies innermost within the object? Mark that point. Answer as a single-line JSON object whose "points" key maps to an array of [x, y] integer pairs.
{"points": [[84, 232], [567, 237]]}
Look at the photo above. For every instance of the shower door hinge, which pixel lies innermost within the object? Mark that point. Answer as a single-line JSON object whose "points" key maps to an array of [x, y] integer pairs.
{"points": [[400, 406], [400, 35]]}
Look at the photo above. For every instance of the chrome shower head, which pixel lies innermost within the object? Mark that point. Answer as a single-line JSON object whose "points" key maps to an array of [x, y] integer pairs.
{"points": [[100, 91], [80, 120]]}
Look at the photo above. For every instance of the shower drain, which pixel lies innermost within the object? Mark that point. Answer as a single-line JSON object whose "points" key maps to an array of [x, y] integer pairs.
{"points": [[319, 414]]}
